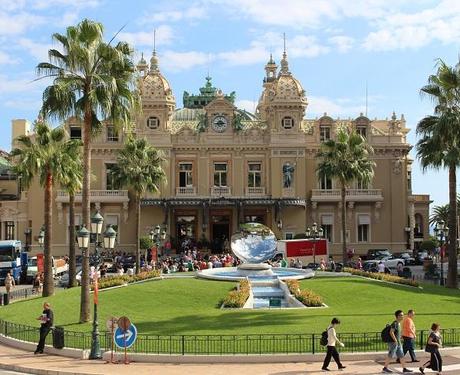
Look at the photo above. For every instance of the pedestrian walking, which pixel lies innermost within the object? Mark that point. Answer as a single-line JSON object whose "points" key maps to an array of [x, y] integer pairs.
{"points": [[36, 284], [433, 345], [394, 346], [46, 319], [331, 264], [332, 341], [408, 335], [9, 283]]}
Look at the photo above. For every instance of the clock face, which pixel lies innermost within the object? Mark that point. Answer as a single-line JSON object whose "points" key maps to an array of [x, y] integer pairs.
{"points": [[219, 123]]}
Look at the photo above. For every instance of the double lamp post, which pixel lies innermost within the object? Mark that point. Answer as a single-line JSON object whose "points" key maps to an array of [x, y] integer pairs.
{"points": [[441, 232], [157, 235], [83, 238], [314, 233]]}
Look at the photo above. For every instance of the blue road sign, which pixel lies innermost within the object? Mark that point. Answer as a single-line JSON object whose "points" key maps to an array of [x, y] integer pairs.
{"points": [[124, 339]]}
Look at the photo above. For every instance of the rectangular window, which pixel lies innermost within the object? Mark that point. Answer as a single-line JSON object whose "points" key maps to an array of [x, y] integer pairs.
{"points": [[110, 183], [9, 230], [220, 174], [325, 183], [254, 174], [362, 131], [112, 134], [324, 133], [409, 180], [364, 222], [185, 174], [327, 230], [75, 132]]}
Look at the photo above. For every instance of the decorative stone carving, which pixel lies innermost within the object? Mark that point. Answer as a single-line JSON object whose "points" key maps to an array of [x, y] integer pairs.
{"points": [[125, 211], [378, 206], [397, 166]]}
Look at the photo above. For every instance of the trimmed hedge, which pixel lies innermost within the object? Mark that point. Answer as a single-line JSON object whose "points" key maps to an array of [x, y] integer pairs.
{"points": [[382, 276], [306, 296], [238, 296], [109, 282]]}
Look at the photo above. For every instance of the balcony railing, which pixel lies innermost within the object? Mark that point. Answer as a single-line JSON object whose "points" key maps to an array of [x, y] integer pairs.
{"points": [[108, 196], [186, 191], [254, 191], [220, 191], [334, 195]]}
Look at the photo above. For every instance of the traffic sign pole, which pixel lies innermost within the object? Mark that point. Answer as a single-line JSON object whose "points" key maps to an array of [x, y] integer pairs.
{"points": [[126, 354]]}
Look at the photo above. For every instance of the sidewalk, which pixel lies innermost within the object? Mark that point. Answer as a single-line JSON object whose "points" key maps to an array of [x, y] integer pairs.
{"points": [[19, 360]]}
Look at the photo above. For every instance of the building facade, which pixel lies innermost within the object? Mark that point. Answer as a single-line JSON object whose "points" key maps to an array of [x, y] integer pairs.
{"points": [[226, 166]]}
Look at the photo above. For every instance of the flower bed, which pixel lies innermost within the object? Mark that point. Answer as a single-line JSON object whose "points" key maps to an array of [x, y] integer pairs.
{"points": [[382, 276], [109, 282], [237, 297], [306, 296]]}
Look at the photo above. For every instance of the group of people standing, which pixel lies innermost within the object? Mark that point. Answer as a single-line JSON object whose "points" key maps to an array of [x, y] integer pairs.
{"points": [[403, 335]]}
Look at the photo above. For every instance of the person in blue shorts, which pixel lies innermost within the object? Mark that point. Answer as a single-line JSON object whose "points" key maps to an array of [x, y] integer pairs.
{"points": [[395, 348]]}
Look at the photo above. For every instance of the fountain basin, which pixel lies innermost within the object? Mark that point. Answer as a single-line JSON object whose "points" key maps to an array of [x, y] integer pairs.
{"points": [[234, 273]]}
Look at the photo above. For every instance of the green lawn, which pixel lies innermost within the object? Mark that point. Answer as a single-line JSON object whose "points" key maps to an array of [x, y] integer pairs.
{"points": [[189, 306]]}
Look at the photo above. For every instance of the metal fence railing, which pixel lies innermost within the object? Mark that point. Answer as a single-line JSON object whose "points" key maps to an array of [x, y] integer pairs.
{"points": [[226, 344]]}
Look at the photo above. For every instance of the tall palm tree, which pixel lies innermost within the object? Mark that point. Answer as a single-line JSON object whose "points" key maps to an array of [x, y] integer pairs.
{"points": [[439, 145], [93, 81], [72, 186], [45, 155], [139, 169], [440, 213], [346, 160]]}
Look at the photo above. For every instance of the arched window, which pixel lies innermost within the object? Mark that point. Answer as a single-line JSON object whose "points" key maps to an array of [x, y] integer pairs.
{"points": [[362, 125], [325, 128]]}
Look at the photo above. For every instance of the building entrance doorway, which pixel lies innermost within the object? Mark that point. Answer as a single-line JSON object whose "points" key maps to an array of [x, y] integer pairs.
{"points": [[220, 233]]}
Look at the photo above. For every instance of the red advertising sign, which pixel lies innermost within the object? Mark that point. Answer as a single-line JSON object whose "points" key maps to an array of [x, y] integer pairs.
{"points": [[304, 248], [40, 263]]}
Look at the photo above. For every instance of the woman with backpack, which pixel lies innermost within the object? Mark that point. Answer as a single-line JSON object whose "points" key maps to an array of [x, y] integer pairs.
{"points": [[332, 352], [432, 346]]}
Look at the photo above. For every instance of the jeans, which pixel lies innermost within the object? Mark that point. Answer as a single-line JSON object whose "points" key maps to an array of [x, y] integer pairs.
{"points": [[44, 330], [332, 352], [409, 346]]}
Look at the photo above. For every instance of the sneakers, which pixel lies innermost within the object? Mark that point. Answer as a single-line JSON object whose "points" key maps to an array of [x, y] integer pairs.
{"points": [[406, 370], [421, 369], [342, 367], [325, 369], [386, 370]]}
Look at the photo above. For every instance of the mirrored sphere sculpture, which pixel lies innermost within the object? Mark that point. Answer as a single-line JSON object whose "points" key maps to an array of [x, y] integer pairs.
{"points": [[254, 243]]}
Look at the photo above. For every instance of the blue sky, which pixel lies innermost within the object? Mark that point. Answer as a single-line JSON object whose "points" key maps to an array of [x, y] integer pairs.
{"points": [[334, 48]]}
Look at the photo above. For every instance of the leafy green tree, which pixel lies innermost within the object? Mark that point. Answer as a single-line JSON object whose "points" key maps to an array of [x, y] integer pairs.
{"points": [[439, 144], [345, 159], [93, 81], [139, 169], [47, 156]]}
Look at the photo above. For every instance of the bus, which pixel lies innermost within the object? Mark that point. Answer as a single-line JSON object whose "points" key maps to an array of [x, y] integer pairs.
{"points": [[11, 260]]}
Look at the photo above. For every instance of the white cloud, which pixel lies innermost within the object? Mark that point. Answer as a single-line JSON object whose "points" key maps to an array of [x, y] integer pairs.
{"points": [[319, 105], [192, 13], [248, 105], [21, 85], [164, 35], [342, 42], [38, 50], [179, 61], [23, 103], [14, 24], [44, 4], [413, 30], [7, 59]]}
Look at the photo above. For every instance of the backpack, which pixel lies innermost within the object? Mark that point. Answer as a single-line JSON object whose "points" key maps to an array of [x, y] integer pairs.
{"points": [[386, 337], [323, 339]]}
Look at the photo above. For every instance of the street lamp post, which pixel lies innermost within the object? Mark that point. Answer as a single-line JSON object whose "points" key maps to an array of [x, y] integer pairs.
{"points": [[41, 237], [96, 228], [442, 233], [27, 234], [314, 234], [157, 235]]}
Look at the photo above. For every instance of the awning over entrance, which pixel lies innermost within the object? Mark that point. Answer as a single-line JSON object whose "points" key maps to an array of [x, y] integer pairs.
{"points": [[224, 202]]}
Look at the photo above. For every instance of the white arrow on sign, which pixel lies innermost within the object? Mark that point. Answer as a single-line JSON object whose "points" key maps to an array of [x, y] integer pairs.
{"points": [[126, 335]]}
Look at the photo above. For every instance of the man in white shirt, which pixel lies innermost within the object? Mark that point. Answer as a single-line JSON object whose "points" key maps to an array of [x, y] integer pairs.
{"points": [[381, 267]]}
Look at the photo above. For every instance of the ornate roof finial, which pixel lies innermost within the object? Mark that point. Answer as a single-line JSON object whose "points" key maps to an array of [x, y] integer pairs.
{"points": [[284, 62], [154, 40], [154, 59]]}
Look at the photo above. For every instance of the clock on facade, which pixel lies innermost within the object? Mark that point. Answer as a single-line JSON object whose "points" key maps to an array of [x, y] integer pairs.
{"points": [[219, 123]]}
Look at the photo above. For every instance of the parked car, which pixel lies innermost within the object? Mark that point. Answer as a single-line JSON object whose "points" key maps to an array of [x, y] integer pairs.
{"points": [[421, 256], [128, 261], [64, 279], [372, 266], [392, 261], [409, 260], [313, 266], [376, 254]]}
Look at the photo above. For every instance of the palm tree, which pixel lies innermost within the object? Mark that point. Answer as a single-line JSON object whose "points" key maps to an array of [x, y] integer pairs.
{"points": [[440, 213], [72, 185], [93, 81], [139, 169], [345, 159], [439, 147], [46, 156]]}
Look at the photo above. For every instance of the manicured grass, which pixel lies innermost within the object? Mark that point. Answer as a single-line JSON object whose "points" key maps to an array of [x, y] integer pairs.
{"points": [[189, 306]]}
